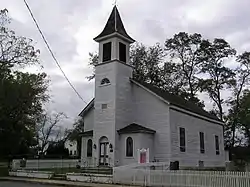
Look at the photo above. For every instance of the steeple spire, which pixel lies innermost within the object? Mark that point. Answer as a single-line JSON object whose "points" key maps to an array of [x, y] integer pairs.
{"points": [[114, 26]]}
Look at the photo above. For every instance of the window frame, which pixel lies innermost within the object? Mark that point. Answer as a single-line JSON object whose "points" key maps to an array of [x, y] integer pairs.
{"points": [[106, 52], [89, 148], [105, 81], [104, 106], [217, 145], [182, 139], [122, 53], [129, 150], [202, 142]]}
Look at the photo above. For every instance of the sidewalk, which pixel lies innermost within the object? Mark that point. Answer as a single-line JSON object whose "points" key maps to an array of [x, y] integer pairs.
{"points": [[57, 182]]}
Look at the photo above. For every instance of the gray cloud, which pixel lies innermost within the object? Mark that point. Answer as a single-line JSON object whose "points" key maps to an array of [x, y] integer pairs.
{"points": [[70, 26]]}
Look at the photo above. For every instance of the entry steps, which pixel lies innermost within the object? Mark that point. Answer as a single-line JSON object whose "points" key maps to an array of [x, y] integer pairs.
{"points": [[59, 177], [98, 170]]}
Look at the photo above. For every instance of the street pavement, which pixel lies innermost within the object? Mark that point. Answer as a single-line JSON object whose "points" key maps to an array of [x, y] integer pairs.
{"points": [[21, 184], [31, 182]]}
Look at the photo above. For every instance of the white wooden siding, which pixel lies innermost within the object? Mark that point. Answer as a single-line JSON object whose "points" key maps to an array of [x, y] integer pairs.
{"points": [[140, 140], [193, 126], [85, 161], [151, 112], [124, 105], [89, 120], [115, 95]]}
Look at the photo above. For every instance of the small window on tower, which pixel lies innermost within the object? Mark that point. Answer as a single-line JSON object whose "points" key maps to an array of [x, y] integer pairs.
{"points": [[106, 51], [105, 81], [122, 52], [104, 106]]}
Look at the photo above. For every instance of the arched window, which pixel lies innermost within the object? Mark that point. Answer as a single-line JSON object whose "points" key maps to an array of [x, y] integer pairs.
{"points": [[129, 147], [89, 148], [105, 81]]}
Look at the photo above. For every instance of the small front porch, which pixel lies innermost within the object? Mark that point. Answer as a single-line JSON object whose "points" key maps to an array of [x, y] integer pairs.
{"points": [[95, 155]]}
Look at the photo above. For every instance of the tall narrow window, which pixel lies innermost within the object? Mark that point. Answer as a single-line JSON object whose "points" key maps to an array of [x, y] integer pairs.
{"points": [[182, 140], [202, 143], [129, 147], [217, 146], [89, 148], [106, 51], [122, 52]]}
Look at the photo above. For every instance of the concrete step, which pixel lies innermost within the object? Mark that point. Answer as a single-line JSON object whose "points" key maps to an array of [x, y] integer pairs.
{"points": [[59, 177], [98, 170]]}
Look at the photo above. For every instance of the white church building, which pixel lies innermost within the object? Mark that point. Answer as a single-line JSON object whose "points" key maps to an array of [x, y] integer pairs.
{"points": [[127, 116]]}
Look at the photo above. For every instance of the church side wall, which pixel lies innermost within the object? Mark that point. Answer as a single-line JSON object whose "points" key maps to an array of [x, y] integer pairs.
{"points": [[152, 112], [193, 126], [89, 120]]}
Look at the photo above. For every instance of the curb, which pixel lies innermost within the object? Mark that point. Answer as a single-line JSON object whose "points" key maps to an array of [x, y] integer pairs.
{"points": [[37, 182], [52, 183], [59, 183]]}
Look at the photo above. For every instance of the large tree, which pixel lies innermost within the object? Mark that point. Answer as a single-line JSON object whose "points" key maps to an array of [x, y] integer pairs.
{"points": [[242, 82], [75, 133], [183, 49], [217, 77], [243, 114], [21, 94], [49, 129]]}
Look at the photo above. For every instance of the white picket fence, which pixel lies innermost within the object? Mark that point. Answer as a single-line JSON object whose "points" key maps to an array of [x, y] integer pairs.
{"points": [[181, 178]]}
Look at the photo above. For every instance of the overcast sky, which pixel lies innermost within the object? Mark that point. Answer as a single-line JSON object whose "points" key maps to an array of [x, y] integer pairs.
{"points": [[71, 25]]}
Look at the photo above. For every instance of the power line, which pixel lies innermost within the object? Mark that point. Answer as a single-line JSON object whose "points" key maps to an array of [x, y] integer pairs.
{"points": [[51, 52]]}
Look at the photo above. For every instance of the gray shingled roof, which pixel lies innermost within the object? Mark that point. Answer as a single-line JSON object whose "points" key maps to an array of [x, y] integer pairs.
{"points": [[114, 25], [87, 133], [89, 106], [135, 128]]}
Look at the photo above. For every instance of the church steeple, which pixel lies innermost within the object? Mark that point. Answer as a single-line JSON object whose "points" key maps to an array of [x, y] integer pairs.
{"points": [[113, 27]]}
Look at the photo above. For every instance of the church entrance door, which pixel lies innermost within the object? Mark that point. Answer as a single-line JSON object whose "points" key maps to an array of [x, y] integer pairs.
{"points": [[103, 160]]}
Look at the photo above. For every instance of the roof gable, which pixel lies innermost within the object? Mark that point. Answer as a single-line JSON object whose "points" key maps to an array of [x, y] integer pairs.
{"points": [[86, 133], [87, 108], [135, 128]]}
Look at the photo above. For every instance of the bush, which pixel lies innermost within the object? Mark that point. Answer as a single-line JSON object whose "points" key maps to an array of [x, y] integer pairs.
{"points": [[3, 171]]}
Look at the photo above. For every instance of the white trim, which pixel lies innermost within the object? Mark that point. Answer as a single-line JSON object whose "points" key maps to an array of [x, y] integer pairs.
{"points": [[175, 107], [102, 85], [113, 35], [114, 60]]}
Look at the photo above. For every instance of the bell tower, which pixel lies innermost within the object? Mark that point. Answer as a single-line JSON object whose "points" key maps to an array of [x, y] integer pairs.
{"points": [[114, 41], [112, 84]]}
